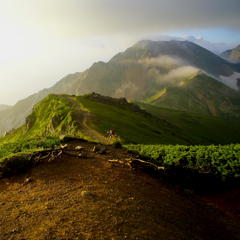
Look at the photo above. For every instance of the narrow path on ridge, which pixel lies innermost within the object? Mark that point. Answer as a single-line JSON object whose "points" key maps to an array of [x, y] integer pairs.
{"points": [[86, 121]]}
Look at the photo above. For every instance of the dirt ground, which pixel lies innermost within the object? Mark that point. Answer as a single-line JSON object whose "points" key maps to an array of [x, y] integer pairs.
{"points": [[89, 197]]}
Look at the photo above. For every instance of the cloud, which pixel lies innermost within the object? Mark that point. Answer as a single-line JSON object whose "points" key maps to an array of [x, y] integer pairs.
{"points": [[167, 69], [43, 40], [163, 61], [179, 73], [94, 17], [113, 16]]}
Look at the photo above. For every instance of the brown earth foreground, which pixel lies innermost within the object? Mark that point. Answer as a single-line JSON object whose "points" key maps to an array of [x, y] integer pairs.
{"points": [[89, 197]]}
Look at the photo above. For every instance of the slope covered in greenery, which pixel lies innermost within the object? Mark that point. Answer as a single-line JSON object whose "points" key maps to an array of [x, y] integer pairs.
{"points": [[199, 128], [199, 94], [90, 117], [220, 161]]}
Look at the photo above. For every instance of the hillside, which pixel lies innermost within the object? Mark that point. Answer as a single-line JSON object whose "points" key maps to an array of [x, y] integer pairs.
{"points": [[137, 74], [146, 65], [90, 117], [199, 94], [232, 54], [199, 129], [93, 197], [191, 53]]}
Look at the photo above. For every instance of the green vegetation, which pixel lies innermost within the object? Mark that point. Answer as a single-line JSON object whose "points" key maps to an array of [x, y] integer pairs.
{"points": [[16, 157], [198, 128], [131, 126], [54, 116], [156, 96], [221, 161], [26, 146], [84, 117], [200, 94], [91, 116]]}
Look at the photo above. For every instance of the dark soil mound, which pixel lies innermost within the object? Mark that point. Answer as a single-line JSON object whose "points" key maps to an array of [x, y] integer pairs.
{"points": [[99, 196]]}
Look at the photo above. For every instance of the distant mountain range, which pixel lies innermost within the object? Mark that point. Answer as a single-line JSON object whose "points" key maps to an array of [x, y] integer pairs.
{"points": [[178, 75], [232, 54]]}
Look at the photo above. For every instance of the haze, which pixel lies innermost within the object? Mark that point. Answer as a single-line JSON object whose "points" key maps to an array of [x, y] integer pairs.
{"points": [[42, 41]]}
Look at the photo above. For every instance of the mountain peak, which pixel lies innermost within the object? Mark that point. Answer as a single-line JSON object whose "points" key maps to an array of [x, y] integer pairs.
{"points": [[232, 54]]}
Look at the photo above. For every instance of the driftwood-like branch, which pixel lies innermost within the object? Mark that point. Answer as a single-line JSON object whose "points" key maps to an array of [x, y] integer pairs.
{"points": [[148, 167]]}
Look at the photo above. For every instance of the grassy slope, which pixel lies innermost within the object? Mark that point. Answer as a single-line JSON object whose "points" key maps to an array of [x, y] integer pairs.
{"points": [[200, 129], [129, 125], [201, 94], [55, 116]]}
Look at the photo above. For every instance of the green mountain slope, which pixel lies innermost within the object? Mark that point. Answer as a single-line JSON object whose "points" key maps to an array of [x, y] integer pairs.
{"points": [[199, 129], [90, 117], [199, 94]]}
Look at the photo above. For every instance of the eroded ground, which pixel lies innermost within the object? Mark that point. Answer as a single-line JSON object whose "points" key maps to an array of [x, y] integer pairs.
{"points": [[92, 198]]}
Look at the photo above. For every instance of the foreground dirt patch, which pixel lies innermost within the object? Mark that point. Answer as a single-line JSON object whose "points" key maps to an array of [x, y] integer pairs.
{"points": [[91, 198]]}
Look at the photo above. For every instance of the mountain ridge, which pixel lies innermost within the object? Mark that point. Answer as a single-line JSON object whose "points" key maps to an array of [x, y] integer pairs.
{"points": [[123, 76], [232, 54], [91, 116]]}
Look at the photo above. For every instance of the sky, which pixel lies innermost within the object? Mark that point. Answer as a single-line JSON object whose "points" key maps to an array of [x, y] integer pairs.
{"points": [[41, 41]]}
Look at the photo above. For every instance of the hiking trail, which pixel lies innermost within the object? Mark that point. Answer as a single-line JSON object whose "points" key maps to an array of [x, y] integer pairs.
{"points": [[86, 121]]}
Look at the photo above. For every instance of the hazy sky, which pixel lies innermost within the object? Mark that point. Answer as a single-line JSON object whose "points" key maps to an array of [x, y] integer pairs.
{"points": [[43, 40]]}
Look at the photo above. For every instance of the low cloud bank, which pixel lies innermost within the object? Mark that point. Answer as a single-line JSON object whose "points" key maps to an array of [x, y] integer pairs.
{"points": [[168, 68]]}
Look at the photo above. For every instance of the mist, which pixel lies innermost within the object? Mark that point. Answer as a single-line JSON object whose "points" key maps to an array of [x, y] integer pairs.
{"points": [[179, 73], [168, 69], [42, 41], [163, 61]]}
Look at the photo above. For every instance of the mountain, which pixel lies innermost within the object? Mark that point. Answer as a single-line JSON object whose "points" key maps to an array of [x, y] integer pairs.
{"points": [[199, 128], [91, 116], [199, 94], [148, 65], [232, 54], [14, 116], [216, 47], [189, 52], [142, 72]]}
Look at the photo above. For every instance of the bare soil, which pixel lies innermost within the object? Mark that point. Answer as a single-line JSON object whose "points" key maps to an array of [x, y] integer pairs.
{"points": [[89, 197]]}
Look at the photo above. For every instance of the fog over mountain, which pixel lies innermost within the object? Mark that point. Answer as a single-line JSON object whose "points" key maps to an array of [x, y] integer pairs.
{"points": [[42, 41]]}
